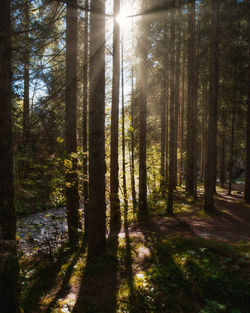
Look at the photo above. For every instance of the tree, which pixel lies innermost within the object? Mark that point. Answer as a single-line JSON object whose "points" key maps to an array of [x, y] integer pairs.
{"points": [[71, 179], [26, 76], [177, 94], [132, 171], [114, 168], [9, 286], [172, 110], [143, 113], [232, 132], [97, 205], [247, 180], [191, 120], [124, 181], [163, 121], [85, 117], [211, 150]]}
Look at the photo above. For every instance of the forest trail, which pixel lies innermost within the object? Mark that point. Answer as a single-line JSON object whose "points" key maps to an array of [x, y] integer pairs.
{"points": [[230, 223]]}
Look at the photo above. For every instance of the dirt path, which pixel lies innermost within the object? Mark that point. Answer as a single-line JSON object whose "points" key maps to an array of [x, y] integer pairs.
{"points": [[231, 222]]}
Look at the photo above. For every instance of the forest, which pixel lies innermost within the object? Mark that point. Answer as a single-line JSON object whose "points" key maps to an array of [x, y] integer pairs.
{"points": [[124, 156]]}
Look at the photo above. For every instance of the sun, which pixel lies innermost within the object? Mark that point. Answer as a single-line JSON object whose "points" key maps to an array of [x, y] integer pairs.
{"points": [[123, 18]]}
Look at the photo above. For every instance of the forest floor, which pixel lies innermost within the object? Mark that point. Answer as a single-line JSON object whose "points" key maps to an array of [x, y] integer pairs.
{"points": [[191, 262]]}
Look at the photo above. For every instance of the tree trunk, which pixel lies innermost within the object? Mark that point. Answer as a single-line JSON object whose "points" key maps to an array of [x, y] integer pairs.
{"points": [[231, 158], [167, 125], [124, 182], [143, 115], [223, 157], [247, 180], [177, 95], [203, 131], [72, 196], [9, 270], [182, 104], [114, 168], [223, 136], [163, 123], [26, 77], [97, 204], [132, 127], [172, 123], [191, 133], [85, 118], [211, 150]]}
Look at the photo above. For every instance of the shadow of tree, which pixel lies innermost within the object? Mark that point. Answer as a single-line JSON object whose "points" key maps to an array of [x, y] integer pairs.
{"points": [[128, 259], [44, 279], [100, 281], [64, 288], [187, 275]]}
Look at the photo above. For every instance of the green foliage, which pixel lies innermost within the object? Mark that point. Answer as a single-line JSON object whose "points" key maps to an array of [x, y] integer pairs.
{"points": [[191, 275], [40, 184]]}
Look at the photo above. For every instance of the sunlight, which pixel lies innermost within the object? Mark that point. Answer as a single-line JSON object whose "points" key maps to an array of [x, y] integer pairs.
{"points": [[123, 19]]}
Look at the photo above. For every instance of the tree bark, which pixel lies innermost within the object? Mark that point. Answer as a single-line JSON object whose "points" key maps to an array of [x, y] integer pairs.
{"points": [[191, 133], [247, 179], [181, 129], [223, 156], [97, 204], [124, 182], [71, 178], [85, 117], [114, 168], [132, 127], [163, 123], [177, 95], [203, 132], [211, 150], [143, 115], [26, 105], [172, 122], [9, 270], [167, 125], [231, 158]]}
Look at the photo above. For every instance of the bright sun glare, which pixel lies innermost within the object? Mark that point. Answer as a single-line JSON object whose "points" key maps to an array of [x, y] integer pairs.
{"points": [[123, 19]]}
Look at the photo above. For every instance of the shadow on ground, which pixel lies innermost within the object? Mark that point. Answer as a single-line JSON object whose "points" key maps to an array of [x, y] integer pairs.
{"points": [[100, 281]]}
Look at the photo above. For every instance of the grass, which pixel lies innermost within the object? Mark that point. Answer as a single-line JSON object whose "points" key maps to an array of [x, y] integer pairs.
{"points": [[190, 275], [177, 275]]}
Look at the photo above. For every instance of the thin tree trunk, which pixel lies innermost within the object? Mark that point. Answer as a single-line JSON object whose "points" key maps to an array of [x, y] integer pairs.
{"points": [[172, 123], [203, 131], [143, 115], [71, 179], [223, 156], [97, 204], [167, 125], [132, 127], [163, 123], [85, 117], [177, 95], [247, 180], [114, 168], [123, 134], [211, 150], [9, 269], [223, 135], [190, 179], [182, 121], [26, 77], [231, 157]]}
